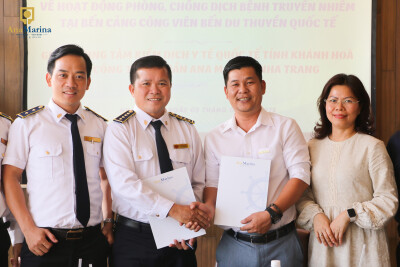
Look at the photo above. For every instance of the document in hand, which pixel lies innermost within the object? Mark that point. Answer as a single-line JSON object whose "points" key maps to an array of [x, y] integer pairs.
{"points": [[242, 189], [175, 186]]}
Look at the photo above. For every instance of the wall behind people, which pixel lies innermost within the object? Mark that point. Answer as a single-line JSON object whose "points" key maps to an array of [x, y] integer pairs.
{"points": [[387, 84]]}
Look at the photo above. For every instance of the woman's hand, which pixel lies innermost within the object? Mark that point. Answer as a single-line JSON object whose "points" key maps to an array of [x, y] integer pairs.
{"points": [[323, 230], [339, 225]]}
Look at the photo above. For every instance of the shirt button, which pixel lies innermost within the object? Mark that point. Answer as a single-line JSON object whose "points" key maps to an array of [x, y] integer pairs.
{"points": [[47, 152], [157, 215]]}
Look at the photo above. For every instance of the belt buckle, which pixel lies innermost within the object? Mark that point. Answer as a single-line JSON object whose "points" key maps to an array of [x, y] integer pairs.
{"points": [[74, 234], [251, 239], [235, 235]]}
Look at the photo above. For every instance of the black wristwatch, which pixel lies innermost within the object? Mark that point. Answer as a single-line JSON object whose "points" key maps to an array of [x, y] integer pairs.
{"points": [[275, 216], [352, 214]]}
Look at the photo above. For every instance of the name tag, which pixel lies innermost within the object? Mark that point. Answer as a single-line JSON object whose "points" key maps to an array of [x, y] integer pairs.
{"points": [[180, 146], [92, 139], [4, 141], [263, 151]]}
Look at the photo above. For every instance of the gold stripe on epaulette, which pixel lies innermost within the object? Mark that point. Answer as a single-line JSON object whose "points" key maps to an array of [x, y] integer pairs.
{"points": [[29, 112], [124, 116], [101, 117], [179, 117], [6, 116]]}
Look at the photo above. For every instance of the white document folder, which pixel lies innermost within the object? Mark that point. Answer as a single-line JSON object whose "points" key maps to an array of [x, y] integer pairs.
{"points": [[242, 189], [175, 186]]}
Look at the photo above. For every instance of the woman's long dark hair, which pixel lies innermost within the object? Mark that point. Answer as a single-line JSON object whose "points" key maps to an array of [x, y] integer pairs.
{"points": [[364, 121]]}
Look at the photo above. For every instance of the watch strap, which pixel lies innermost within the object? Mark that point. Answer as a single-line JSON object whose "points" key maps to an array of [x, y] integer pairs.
{"points": [[275, 217]]}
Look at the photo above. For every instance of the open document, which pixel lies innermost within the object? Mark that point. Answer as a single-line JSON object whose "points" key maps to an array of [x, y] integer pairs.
{"points": [[242, 189], [175, 186]]}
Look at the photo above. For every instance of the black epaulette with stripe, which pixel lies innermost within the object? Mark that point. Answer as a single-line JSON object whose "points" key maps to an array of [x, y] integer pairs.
{"points": [[30, 112], [125, 116], [6, 116], [101, 117], [179, 117]]}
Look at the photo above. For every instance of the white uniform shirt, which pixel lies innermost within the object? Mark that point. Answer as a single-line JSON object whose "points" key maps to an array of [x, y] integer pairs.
{"points": [[130, 154], [14, 230], [42, 144], [273, 137]]}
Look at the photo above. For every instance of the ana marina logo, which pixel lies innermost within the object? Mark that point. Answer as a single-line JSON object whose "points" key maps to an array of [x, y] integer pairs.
{"points": [[27, 16]]}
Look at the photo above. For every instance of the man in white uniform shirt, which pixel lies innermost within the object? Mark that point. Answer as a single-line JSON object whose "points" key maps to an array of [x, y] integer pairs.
{"points": [[7, 221], [60, 147], [142, 143], [255, 133]]}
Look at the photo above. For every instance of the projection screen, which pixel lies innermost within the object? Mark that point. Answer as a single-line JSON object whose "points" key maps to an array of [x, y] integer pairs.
{"points": [[300, 44]]}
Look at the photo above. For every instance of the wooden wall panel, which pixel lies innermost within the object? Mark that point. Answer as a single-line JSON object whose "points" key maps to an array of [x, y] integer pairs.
{"points": [[397, 71], [386, 103], [387, 29], [207, 245], [2, 89], [11, 8], [13, 76]]}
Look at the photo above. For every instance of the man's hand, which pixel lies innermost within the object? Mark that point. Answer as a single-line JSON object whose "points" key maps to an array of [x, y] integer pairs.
{"points": [[39, 240], [323, 231], [184, 214], [108, 232], [258, 222], [210, 211], [339, 226], [16, 260], [182, 245]]}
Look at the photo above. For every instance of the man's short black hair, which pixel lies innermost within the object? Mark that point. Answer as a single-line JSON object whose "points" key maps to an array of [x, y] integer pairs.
{"points": [[69, 49], [241, 62], [149, 62]]}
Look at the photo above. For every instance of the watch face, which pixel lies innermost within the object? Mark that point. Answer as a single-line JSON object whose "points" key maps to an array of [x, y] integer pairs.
{"points": [[351, 212]]}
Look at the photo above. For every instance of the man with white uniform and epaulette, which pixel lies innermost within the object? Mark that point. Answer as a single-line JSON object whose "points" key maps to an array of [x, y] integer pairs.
{"points": [[143, 143], [7, 221], [60, 147]]}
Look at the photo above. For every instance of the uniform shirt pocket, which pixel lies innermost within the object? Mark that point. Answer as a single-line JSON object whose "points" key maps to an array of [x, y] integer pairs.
{"points": [[92, 158], [264, 153], [2, 151], [50, 162], [142, 155], [180, 156]]}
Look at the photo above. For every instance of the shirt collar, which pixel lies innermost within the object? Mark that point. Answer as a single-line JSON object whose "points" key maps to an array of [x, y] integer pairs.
{"points": [[58, 113], [264, 118], [144, 119]]}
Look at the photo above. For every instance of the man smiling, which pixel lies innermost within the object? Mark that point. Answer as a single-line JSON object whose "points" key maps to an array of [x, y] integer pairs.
{"points": [[253, 132], [144, 143], [60, 147]]}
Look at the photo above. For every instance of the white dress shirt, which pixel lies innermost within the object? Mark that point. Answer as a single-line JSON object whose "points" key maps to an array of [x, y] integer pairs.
{"points": [[42, 144], [130, 155], [15, 232], [273, 137]]}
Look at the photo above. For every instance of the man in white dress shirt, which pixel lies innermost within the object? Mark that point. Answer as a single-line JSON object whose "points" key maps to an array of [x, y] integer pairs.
{"points": [[255, 133], [132, 152], [60, 147], [7, 221]]}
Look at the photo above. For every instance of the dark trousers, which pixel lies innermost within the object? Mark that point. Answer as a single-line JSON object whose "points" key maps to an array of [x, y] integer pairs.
{"points": [[134, 248], [92, 249], [4, 246]]}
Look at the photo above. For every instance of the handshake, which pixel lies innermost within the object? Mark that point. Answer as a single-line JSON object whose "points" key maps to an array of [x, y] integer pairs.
{"points": [[195, 216]]}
